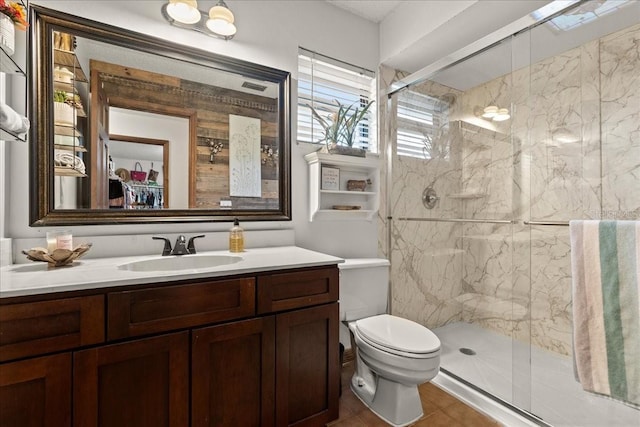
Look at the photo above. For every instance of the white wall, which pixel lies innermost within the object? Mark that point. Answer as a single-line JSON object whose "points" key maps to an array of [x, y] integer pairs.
{"points": [[269, 33]]}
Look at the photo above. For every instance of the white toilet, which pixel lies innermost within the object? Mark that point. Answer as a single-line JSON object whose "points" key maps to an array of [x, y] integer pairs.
{"points": [[393, 355]]}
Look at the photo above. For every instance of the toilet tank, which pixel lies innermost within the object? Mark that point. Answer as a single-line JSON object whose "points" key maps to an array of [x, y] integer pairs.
{"points": [[364, 287]]}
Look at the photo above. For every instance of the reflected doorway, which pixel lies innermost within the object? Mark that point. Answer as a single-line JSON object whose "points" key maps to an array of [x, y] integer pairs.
{"points": [[149, 156]]}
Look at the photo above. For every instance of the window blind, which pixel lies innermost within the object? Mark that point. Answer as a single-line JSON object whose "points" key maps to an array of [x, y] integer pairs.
{"points": [[422, 126], [321, 82]]}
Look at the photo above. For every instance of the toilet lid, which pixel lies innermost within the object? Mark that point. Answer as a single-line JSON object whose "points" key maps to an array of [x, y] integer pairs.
{"points": [[398, 334]]}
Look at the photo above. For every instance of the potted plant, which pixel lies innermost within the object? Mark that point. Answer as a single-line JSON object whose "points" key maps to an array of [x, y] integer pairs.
{"points": [[340, 128], [64, 111], [12, 15]]}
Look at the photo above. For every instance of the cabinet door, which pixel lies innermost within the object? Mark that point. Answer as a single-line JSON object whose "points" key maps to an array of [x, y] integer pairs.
{"points": [[233, 374], [135, 384], [36, 392], [307, 366]]}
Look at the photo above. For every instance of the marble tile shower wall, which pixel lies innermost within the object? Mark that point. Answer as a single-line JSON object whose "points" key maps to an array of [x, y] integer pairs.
{"points": [[570, 151], [620, 116]]}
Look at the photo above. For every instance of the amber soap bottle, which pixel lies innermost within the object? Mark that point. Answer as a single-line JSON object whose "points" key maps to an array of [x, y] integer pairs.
{"points": [[236, 237]]}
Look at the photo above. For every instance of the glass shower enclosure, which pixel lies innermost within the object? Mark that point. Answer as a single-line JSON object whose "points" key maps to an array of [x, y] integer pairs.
{"points": [[488, 159]]}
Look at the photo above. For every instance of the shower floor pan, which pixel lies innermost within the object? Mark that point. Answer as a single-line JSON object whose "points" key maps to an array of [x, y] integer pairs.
{"points": [[484, 359]]}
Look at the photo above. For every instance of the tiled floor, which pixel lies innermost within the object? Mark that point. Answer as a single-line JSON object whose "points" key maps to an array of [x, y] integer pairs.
{"points": [[440, 409]]}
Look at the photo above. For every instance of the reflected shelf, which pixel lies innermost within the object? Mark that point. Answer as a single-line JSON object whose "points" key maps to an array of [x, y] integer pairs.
{"points": [[76, 148], [66, 58], [66, 130], [67, 171]]}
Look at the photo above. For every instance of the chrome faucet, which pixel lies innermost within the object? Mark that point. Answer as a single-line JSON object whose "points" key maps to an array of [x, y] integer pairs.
{"points": [[181, 246]]}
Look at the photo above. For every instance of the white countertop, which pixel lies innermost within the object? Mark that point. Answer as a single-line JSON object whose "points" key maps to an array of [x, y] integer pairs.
{"points": [[36, 278]]}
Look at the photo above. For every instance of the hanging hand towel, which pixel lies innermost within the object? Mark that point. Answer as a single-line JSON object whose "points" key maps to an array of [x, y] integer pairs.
{"points": [[605, 266], [12, 121]]}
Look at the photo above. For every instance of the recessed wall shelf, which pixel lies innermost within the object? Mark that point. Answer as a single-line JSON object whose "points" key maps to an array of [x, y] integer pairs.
{"points": [[322, 203], [469, 195]]}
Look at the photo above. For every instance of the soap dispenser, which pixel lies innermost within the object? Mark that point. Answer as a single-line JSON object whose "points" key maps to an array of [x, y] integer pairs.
{"points": [[236, 237]]}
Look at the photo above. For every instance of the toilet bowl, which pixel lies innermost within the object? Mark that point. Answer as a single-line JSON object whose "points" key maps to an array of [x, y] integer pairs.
{"points": [[393, 355]]}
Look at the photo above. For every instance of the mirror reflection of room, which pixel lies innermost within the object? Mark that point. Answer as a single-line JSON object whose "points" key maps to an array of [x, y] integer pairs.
{"points": [[94, 97]]}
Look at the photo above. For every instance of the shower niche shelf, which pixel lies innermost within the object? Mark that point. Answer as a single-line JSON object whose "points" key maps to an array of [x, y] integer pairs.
{"points": [[338, 203], [467, 195]]}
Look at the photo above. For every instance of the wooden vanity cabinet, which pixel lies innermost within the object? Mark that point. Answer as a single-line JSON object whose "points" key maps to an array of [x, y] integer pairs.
{"points": [[142, 383], [260, 350], [36, 392]]}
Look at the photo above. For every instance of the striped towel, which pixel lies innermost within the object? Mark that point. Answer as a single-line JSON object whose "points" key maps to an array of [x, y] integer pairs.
{"points": [[605, 265]]}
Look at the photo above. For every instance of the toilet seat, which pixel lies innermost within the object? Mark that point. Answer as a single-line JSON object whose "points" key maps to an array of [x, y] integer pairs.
{"points": [[398, 336]]}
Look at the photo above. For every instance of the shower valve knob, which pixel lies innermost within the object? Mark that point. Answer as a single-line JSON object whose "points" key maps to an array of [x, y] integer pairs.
{"points": [[429, 198]]}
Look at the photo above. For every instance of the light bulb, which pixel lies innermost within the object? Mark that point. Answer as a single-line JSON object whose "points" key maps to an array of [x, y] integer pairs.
{"points": [[490, 111], [184, 11], [220, 11], [221, 27], [502, 115]]}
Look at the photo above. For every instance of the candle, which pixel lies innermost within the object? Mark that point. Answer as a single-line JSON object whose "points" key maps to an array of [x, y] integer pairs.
{"points": [[59, 239]]}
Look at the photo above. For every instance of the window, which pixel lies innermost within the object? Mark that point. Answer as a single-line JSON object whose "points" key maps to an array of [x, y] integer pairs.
{"points": [[321, 82], [423, 126]]}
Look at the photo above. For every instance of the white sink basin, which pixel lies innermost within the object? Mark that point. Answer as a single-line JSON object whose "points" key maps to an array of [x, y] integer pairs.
{"points": [[183, 262]]}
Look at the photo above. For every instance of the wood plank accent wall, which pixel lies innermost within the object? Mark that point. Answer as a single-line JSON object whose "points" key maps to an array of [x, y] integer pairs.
{"points": [[213, 105]]}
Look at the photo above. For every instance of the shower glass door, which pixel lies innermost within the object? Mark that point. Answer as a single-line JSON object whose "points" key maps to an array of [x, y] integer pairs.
{"points": [[487, 161], [459, 250], [584, 154]]}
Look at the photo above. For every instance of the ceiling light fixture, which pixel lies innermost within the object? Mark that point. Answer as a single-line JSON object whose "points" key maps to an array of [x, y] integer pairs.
{"points": [[219, 22]]}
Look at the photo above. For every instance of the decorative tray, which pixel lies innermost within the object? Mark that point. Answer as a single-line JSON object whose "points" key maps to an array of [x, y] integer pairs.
{"points": [[346, 207], [59, 257]]}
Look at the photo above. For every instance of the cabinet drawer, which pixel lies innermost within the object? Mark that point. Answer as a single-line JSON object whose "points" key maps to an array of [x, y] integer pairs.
{"points": [[147, 311], [29, 329], [287, 291]]}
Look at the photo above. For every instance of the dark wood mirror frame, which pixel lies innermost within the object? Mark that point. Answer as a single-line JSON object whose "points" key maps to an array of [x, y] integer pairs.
{"points": [[40, 105]]}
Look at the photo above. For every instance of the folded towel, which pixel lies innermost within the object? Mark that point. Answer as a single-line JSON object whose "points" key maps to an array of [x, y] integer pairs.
{"points": [[605, 266], [67, 159], [12, 121]]}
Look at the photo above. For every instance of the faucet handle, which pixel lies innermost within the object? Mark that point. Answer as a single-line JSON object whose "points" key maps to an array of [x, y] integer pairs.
{"points": [[167, 245], [190, 246]]}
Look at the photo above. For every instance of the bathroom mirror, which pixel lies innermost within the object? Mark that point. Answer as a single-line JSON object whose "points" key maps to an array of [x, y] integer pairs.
{"points": [[223, 125]]}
